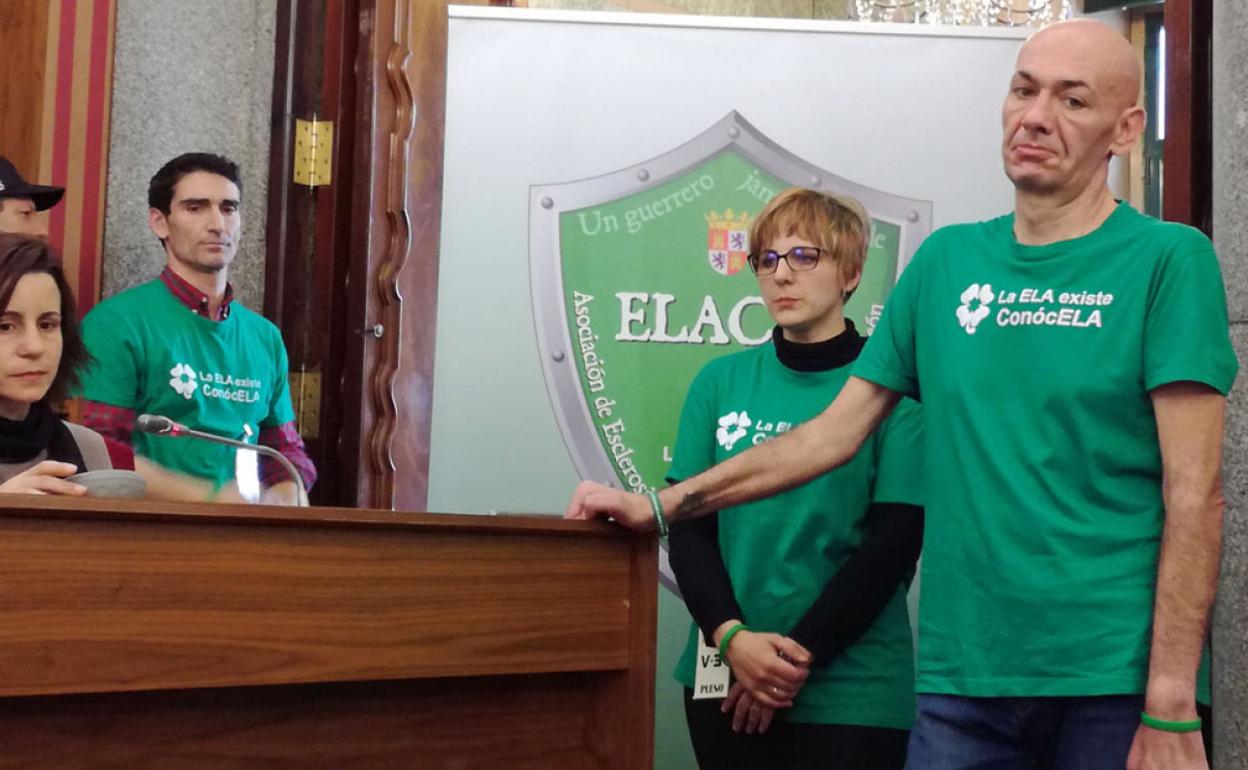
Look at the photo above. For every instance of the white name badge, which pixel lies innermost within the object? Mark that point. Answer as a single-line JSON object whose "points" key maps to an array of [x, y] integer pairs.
{"points": [[711, 675]]}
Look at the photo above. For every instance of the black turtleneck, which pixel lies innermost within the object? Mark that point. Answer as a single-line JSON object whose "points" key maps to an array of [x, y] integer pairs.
{"points": [[39, 431], [854, 597], [819, 356]]}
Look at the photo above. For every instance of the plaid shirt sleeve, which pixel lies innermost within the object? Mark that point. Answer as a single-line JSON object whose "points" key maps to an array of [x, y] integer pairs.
{"points": [[115, 423], [285, 438]]}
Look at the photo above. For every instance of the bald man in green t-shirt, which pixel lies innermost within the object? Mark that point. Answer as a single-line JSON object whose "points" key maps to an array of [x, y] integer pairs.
{"points": [[1073, 360]]}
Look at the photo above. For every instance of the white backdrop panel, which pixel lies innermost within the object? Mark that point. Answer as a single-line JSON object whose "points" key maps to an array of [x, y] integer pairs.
{"points": [[539, 97]]}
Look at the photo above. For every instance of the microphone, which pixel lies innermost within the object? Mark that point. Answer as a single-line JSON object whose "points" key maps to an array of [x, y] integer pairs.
{"points": [[163, 426], [160, 425]]}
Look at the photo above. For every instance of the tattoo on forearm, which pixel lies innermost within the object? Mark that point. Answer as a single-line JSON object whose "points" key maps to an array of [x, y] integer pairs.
{"points": [[688, 505]]}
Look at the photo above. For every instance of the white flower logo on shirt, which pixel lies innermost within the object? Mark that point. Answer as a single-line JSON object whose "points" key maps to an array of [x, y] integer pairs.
{"points": [[732, 428], [184, 380], [974, 307]]}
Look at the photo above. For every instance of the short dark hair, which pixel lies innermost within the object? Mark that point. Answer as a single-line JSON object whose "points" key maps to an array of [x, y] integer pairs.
{"points": [[21, 255], [160, 189]]}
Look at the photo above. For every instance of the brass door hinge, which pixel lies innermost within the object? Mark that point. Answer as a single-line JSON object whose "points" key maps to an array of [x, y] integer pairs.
{"points": [[314, 149], [305, 396]]}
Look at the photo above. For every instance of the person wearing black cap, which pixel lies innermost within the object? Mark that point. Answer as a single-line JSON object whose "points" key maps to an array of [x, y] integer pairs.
{"points": [[21, 202]]}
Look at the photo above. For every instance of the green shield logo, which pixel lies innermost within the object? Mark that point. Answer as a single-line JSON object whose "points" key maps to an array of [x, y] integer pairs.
{"points": [[639, 278]]}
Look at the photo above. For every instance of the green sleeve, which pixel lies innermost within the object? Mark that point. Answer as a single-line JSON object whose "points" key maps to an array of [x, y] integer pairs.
{"points": [[1186, 334], [117, 359], [695, 436], [280, 409], [888, 359], [899, 475]]}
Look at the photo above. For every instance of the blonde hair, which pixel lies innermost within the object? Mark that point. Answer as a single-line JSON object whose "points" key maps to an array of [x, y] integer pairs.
{"points": [[836, 223]]}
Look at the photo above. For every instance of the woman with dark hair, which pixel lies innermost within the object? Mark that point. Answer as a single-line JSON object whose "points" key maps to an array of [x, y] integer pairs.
{"points": [[41, 353]]}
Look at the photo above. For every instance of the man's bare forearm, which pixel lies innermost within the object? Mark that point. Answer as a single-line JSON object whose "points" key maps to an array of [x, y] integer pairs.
{"points": [[1186, 583], [164, 484], [1190, 428], [764, 470], [818, 446]]}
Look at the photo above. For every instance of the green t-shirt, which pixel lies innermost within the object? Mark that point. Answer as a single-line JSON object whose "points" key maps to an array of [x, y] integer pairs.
{"points": [[1044, 518], [780, 552], [154, 355]]}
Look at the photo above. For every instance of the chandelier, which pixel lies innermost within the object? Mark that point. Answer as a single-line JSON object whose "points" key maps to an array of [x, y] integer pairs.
{"points": [[984, 13]]}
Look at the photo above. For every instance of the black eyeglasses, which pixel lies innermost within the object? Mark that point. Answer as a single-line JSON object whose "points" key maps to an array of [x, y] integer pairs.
{"points": [[797, 258]]}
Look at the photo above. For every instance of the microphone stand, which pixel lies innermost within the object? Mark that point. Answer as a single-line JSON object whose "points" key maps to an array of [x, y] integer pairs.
{"points": [[176, 429]]}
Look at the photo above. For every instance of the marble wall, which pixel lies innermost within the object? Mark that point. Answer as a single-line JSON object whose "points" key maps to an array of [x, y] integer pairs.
{"points": [[1230, 225], [188, 77]]}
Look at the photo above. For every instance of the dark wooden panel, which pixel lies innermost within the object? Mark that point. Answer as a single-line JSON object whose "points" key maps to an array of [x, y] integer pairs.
{"points": [[400, 134], [517, 723], [397, 197], [1096, 6], [170, 636], [1187, 191], [40, 506], [23, 48], [361, 254], [417, 278], [309, 253], [333, 255], [92, 605], [366, 477], [631, 739]]}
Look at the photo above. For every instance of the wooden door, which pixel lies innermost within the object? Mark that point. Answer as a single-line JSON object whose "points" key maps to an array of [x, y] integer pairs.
{"points": [[353, 265]]}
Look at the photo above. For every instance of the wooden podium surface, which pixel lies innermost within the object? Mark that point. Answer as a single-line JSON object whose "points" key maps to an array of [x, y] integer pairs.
{"points": [[163, 636]]}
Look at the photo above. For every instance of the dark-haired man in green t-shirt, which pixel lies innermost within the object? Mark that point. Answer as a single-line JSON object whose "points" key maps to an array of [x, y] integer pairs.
{"points": [[1072, 359], [179, 346]]}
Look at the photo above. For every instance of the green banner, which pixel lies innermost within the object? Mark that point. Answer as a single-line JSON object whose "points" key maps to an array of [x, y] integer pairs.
{"points": [[655, 284]]}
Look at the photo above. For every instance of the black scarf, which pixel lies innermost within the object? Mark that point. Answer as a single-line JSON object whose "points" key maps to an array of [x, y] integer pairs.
{"points": [[22, 440], [819, 356]]}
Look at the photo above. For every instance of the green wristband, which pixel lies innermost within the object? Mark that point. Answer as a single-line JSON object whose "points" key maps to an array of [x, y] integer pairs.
{"points": [[656, 507], [1164, 725], [727, 637]]}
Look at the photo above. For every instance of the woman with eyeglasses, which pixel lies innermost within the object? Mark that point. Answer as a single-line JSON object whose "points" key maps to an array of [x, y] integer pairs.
{"points": [[804, 593], [41, 353]]}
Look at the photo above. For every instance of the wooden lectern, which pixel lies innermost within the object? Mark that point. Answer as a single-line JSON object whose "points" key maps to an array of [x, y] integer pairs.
{"points": [[142, 635]]}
